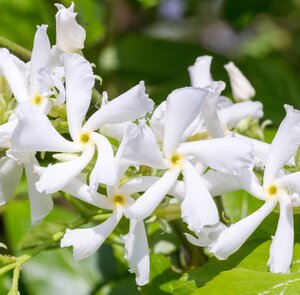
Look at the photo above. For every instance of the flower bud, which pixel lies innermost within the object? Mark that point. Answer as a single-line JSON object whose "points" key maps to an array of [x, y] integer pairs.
{"points": [[70, 36]]}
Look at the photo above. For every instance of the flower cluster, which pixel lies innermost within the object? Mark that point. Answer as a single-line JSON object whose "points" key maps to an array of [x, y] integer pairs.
{"points": [[193, 144]]}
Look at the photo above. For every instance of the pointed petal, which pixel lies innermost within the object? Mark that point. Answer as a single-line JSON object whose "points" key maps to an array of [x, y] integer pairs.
{"points": [[35, 132], [137, 252], [281, 251], [14, 77], [39, 58], [140, 147], [81, 190], [290, 181], [70, 36], [104, 170], [79, 84], [182, 108], [6, 132], [148, 202], [158, 120], [235, 236], [86, 241], [40, 203], [129, 106], [284, 145], [210, 110], [198, 208], [240, 85], [232, 115], [200, 71], [116, 131], [10, 176], [228, 154], [59, 175]]}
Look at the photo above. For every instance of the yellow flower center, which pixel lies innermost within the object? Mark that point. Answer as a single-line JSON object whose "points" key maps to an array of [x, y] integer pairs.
{"points": [[272, 190], [119, 200], [84, 138], [37, 100], [175, 159]]}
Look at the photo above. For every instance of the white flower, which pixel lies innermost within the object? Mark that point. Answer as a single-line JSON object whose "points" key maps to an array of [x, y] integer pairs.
{"points": [[198, 207], [70, 36], [277, 188], [240, 85], [35, 132]]}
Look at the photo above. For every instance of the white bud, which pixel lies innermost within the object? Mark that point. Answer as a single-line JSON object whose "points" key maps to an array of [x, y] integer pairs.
{"points": [[240, 85], [70, 36]]}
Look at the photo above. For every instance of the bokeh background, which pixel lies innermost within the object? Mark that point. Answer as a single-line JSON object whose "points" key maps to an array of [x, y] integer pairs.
{"points": [[154, 41]]}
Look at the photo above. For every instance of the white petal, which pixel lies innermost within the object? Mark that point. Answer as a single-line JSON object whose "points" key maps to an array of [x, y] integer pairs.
{"points": [[157, 122], [210, 110], [240, 85], [137, 252], [140, 147], [86, 241], [56, 176], [232, 115], [80, 190], [198, 207], [79, 84], [6, 132], [70, 36], [129, 106], [182, 108], [208, 235], [290, 181], [116, 131], [228, 154], [15, 79], [200, 71], [148, 202], [40, 203], [281, 251], [235, 236], [104, 170], [35, 132], [39, 58], [284, 145], [10, 175]]}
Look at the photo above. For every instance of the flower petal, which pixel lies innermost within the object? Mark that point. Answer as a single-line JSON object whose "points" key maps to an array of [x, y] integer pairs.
{"points": [[232, 115], [281, 251], [148, 202], [182, 108], [198, 207], [35, 132], [40, 203], [39, 58], [10, 176], [200, 71], [240, 85], [6, 132], [56, 176], [104, 170], [290, 181], [137, 252], [70, 36], [228, 154], [79, 84], [129, 106], [157, 122], [14, 77], [284, 145], [86, 241], [235, 236], [140, 147]]}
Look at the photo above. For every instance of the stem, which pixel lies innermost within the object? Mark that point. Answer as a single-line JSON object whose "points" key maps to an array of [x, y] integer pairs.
{"points": [[84, 212], [15, 48], [15, 282]]}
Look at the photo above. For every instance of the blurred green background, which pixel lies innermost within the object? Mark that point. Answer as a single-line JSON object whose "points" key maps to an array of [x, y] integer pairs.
{"points": [[154, 41]]}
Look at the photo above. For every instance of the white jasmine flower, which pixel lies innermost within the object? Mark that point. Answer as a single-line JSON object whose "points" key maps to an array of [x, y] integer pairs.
{"points": [[240, 85], [70, 36], [277, 188], [35, 132]]}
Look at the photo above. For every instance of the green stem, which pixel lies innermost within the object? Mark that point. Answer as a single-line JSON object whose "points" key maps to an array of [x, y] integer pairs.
{"points": [[84, 212], [15, 48], [15, 282]]}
